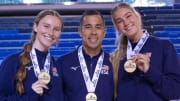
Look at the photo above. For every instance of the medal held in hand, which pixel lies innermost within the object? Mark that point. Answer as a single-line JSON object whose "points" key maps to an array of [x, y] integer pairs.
{"points": [[91, 97], [44, 76], [129, 66], [44, 73]]}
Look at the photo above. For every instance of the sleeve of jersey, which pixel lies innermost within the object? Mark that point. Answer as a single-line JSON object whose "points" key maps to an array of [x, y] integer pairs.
{"points": [[8, 69], [166, 82]]}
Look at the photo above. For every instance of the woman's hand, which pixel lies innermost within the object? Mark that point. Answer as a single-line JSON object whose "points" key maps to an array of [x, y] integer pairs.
{"points": [[142, 62], [38, 87]]}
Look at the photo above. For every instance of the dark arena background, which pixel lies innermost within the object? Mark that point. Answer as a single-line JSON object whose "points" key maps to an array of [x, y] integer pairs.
{"points": [[160, 17]]}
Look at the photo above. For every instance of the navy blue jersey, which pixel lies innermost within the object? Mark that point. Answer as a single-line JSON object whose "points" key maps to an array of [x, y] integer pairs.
{"points": [[74, 86], [8, 70], [160, 83]]}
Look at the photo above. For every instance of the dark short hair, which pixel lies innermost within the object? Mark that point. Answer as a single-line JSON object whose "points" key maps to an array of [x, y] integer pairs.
{"points": [[91, 12]]}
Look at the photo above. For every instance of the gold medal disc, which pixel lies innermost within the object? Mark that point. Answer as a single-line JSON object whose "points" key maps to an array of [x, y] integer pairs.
{"points": [[130, 66], [45, 77], [91, 97]]}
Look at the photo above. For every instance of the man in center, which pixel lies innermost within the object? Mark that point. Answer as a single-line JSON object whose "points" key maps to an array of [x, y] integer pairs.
{"points": [[87, 72]]}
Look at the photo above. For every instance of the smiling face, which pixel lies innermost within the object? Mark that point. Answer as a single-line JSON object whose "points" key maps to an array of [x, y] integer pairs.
{"points": [[47, 32], [128, 22], [92, 32]]}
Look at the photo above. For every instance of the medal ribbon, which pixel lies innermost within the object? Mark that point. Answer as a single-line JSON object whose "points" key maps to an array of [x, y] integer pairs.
{"points": [[138, 47], [90, 84], [35, 63]]}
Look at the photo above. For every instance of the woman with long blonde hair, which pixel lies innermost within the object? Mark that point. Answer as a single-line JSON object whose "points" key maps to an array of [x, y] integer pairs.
{"points": [[145, 68]]}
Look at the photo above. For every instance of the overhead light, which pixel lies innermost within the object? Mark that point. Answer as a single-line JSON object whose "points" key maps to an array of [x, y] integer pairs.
{"points": [[32, 1], [68, 3]]}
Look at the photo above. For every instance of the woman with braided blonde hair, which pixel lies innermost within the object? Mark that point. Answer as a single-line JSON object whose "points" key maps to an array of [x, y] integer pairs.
{"points": [[145, 68], [31, 75]]}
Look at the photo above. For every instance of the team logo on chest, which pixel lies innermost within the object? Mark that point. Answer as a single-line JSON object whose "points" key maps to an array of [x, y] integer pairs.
{"points": [[74, 68], [55, 72], [105, 69]]}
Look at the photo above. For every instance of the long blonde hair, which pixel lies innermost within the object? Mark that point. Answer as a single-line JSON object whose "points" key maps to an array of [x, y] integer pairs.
{"points": [[24, 56], [120, 51]]}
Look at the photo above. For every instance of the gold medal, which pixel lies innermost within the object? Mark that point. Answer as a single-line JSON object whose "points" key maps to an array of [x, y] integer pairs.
{"points": [[130, 66], [44, 76], [91, 97]]}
